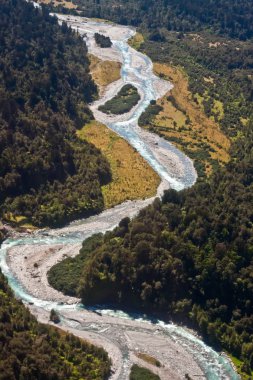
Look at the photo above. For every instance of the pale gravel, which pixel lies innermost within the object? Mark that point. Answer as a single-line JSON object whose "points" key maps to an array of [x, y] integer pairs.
{"points": [[118, 336]]}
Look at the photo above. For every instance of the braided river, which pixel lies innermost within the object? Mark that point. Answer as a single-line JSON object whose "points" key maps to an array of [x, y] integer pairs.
{"points": [[180, 351]]}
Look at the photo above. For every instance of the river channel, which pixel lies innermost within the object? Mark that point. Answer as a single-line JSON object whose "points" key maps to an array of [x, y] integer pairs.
{"points": [[180, 351]]}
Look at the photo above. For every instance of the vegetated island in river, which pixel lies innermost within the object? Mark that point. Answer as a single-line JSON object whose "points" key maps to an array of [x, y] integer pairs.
{"points": [[198, 267], [103, 41], [123, 102]]}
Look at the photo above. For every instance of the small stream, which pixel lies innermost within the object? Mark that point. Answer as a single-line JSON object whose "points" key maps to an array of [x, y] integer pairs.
{"points": [[137, 70]]}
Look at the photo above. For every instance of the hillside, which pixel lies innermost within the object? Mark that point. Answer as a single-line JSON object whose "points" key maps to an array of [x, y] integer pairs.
{"points": [[189, 256], [230, 18], [47, 175], [31, 350]]}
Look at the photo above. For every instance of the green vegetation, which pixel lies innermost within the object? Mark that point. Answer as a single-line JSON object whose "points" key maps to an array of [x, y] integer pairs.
{"points": [[148, 115], [140, 373], [132, 177], [31, 350], [189, 256], [179, 119], [149, 359], [240, 366], [123, 102], [102, 41], [231, 18], [54, 317], [104, 72], [136, 41], [218, 72], [65, 275], [47, 175]]}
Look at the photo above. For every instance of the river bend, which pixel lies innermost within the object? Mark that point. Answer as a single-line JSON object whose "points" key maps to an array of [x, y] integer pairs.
{"points": [[121, 334]]}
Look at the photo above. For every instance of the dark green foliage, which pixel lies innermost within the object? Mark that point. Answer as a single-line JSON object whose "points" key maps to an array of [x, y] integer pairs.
{"points": [[65, 275], [229, 65], [30, 350], [140, 373], [103, 41], [189, 256], [123, 102], [150, 112], [46, 173], [227, 17], [54, 317]]}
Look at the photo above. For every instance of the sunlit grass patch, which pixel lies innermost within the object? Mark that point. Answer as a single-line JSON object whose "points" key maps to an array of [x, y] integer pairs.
{"points": [[104, 72], [136, 41], [18, 220], [183, 121], [132, 177], [240, 368]]}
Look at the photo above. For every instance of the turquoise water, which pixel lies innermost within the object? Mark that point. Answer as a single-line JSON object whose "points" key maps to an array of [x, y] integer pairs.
{"points": [[215, 366]]}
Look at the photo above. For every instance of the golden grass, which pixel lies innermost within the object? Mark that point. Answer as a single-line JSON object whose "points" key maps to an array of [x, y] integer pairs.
{"points": [[238, 364], [136, 41], [185, 120], [66, 4], [132, 177], [218, 109], [104, 72], [209, 80], [148, 359], [19, 221]]}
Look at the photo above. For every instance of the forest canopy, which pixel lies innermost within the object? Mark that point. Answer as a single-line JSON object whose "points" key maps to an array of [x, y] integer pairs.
{"points": [[31, 350], [47, 174], [189, 256], [225, 17]]}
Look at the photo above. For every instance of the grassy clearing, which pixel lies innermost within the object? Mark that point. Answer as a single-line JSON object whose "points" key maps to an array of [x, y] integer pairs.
{"points": [[132, 177], [182, 119], [18, 221], [123, 102], [184, 123], [136, 41], [148, 359], [218, 109], [56, 3], [239, 367], [104, 72]]}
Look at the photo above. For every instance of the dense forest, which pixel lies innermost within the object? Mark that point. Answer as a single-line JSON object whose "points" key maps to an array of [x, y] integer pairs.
{"points": [[31, 350], [47, 174], [219, 76], [226, 17], [188, 256]]}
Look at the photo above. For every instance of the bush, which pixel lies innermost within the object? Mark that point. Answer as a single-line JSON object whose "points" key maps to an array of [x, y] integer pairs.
{"points": [[123, 102], [103, 41]]}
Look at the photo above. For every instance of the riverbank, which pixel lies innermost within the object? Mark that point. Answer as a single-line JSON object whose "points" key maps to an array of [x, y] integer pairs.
{"points": [[129, 334], [182, 120]]}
